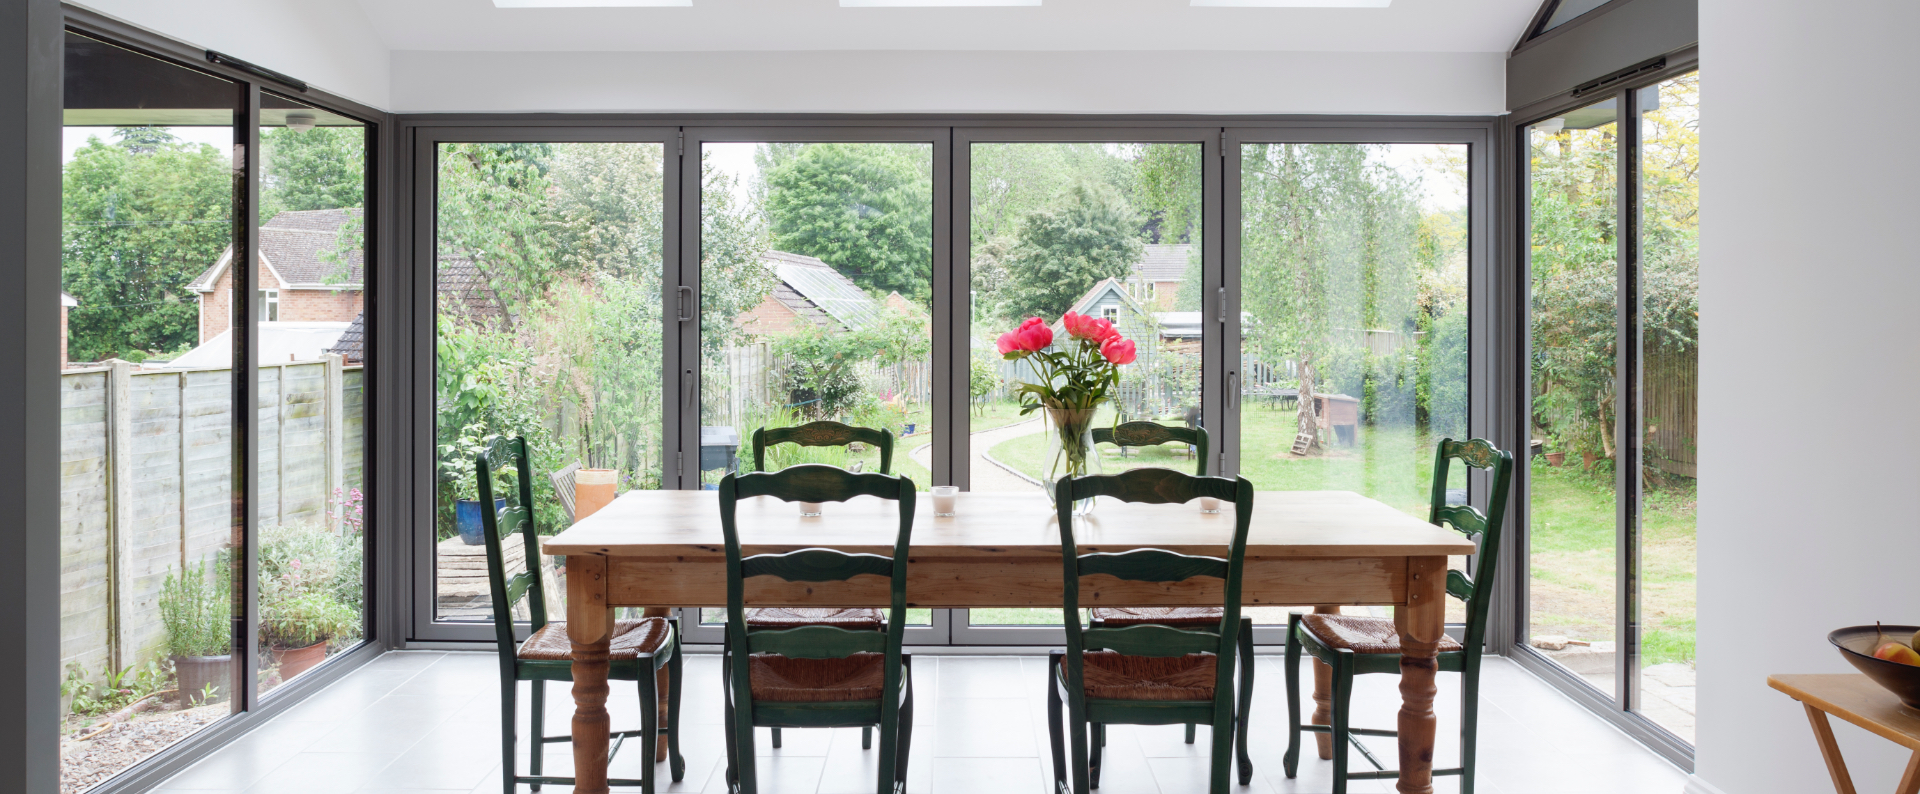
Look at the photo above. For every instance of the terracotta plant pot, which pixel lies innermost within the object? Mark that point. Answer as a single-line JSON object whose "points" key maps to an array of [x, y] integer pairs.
{"points": [[1587, 459], [195, 673], [1556, 458], [294, 661]]}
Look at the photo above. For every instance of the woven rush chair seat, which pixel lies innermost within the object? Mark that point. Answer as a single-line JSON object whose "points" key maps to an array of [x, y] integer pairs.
{"points": [[1188, 617], [1363, 634], [630, 639], [852, 618], [784, 679], [1110, 675]]}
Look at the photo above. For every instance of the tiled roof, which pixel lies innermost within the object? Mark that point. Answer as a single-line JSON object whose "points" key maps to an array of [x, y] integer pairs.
{"points": [[465, 294], [352, 344], [817, 292], [307, 248], [1163, 262]]}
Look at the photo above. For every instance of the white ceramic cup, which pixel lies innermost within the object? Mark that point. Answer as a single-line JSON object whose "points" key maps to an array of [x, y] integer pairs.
{"points": [[944, 497], [809, 508], [1209, 504]]}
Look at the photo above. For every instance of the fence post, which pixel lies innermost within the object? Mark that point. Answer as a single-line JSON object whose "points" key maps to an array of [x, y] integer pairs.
{"points": [[119, 513], [336, 434]]}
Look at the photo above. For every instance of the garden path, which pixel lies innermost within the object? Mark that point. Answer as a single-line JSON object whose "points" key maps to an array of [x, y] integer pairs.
{"points": [[987, 475]]}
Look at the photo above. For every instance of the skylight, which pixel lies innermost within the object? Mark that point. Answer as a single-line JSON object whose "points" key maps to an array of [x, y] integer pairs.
{"points": [[1293, 3], [590, 3], [934, 3]]}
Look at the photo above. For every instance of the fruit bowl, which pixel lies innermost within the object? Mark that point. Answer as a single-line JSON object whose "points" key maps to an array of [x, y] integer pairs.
{"points": [[1856, 644]]}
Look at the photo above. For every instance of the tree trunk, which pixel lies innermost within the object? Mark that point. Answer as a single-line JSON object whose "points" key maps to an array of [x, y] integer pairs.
{"points": [[1308, 421]]}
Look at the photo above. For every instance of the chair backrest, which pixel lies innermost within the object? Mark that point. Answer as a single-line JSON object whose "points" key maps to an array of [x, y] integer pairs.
{"points": [[502, 455], [563, 487], [1483, 528], [1153, 486], [1151, 434], [814, 482], [822, 434]]}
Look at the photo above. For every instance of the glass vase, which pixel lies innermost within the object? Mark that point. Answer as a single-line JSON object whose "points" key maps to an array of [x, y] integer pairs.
{"points": [[1070, 451]]}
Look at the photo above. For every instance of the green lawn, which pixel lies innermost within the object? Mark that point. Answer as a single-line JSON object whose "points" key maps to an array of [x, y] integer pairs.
{"points": [[1571, 591], [996, 414], [784, 455]]}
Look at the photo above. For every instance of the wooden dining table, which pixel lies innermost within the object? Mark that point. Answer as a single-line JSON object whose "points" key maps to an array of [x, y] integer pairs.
{"points": [[664, 549]]}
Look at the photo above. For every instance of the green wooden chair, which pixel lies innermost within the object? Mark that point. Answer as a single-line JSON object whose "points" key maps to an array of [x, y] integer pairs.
{"points": [[640, 647], [1355, 645], [1153, 434], [1148, 434], [822, 434], [816, 676], [1147, 674]]}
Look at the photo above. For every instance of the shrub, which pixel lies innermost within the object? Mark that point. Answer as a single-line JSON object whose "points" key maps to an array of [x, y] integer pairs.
{"points": [[195, 607]]}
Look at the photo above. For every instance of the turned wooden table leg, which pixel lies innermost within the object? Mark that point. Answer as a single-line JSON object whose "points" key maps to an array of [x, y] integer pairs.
{"points": [[1323, 695], [590, 627], [1421, 622]]}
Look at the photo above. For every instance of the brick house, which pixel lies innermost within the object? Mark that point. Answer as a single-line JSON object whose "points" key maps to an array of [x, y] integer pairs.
{"points": [[809, 292], [309, 272], [1156, 277]]}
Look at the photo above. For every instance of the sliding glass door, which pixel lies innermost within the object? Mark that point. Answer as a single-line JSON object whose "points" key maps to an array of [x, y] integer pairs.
{"points": [[1612, 202]]}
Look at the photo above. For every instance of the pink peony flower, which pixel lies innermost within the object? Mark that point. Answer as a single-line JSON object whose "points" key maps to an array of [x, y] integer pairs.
{"points": [[1007, 344], [1079, 326], [1103, 330], [1118, 350]]}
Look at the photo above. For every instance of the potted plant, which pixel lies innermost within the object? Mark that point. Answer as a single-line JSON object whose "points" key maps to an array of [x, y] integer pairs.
{"points": [[297, 626], [457, 474], [1073, 382], [194, 609]]}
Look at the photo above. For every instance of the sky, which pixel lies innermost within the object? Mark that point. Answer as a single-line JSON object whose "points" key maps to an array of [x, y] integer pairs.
{"points": [[73, 138]]}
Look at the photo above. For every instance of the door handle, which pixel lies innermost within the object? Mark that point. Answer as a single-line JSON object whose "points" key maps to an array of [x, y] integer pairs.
{"points": [[1233, 390], [686, 302], [687, 387]]}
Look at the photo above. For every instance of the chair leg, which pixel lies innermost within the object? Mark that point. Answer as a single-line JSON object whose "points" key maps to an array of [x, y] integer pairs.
{"points": [[1469, 723], [866, 737], [1245, 712], [1191, 732], [1222, 752], [1077, 730], [1291, 761], [537, 752], [676, 764], [509, 691], [776, 738], [649, 729], [906, 731], [1342, 695], [1095, 754], [1054, 737]]}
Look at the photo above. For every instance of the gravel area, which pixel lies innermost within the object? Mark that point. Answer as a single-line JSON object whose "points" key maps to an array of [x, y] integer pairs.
{"points": [[85, 764]]}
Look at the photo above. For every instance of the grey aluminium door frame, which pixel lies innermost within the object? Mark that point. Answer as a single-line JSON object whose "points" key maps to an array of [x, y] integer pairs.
{"points": [[1208, 137], [424, 141], [1484, 300], [946, 387]]}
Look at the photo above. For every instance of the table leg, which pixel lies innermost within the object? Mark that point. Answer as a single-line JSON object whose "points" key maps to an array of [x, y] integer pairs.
{"points": [[590, 627], [1830, 750], [1323, 695], [1910, 782], [1421, 622]]}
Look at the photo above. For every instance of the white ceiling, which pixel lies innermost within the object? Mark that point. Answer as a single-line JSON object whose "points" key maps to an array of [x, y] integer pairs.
{"points": [[775, 25]]}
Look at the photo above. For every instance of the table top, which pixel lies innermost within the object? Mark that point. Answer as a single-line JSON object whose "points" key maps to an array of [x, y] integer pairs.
{"points": [[1285, 524], [1857, 699]]}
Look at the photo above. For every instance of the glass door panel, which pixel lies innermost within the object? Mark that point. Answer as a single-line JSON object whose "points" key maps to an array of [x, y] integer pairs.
{"points": [[1573, 274], [311, 331], [152, 525], [1670, 306], [548, 285], [1354, 322], [816, 303], [1110, 230]]}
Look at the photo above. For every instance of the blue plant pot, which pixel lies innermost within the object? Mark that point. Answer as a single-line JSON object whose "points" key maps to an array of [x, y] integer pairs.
{"points": [[466, 518], [909, 429]]}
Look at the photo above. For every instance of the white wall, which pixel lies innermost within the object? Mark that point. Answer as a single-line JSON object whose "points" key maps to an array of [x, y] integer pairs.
{"points": [[331, 45], [1810, 373], [950, 82]]}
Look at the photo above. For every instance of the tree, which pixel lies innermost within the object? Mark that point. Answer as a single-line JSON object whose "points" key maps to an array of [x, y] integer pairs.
{"points": [[142, 217], [1060, 253], [866, 209], [318, 169]]}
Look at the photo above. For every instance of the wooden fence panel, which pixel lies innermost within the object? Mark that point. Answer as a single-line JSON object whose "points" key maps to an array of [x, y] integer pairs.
{"points": [[303, 461], [207, 449], [148, 527], [353, 403], [1670, 387], [85, 612]]}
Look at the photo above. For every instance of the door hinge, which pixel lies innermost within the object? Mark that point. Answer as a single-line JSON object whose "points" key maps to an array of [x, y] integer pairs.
{"points": [[679, 462], [1223, 305], [681, 150], [1223, 143], [1221, 466]]}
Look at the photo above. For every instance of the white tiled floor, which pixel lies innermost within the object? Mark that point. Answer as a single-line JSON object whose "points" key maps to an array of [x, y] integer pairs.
{"points": [[425, 721]]}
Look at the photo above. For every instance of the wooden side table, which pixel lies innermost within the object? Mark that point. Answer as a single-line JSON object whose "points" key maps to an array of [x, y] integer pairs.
{"points": [[1854, 698]]}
